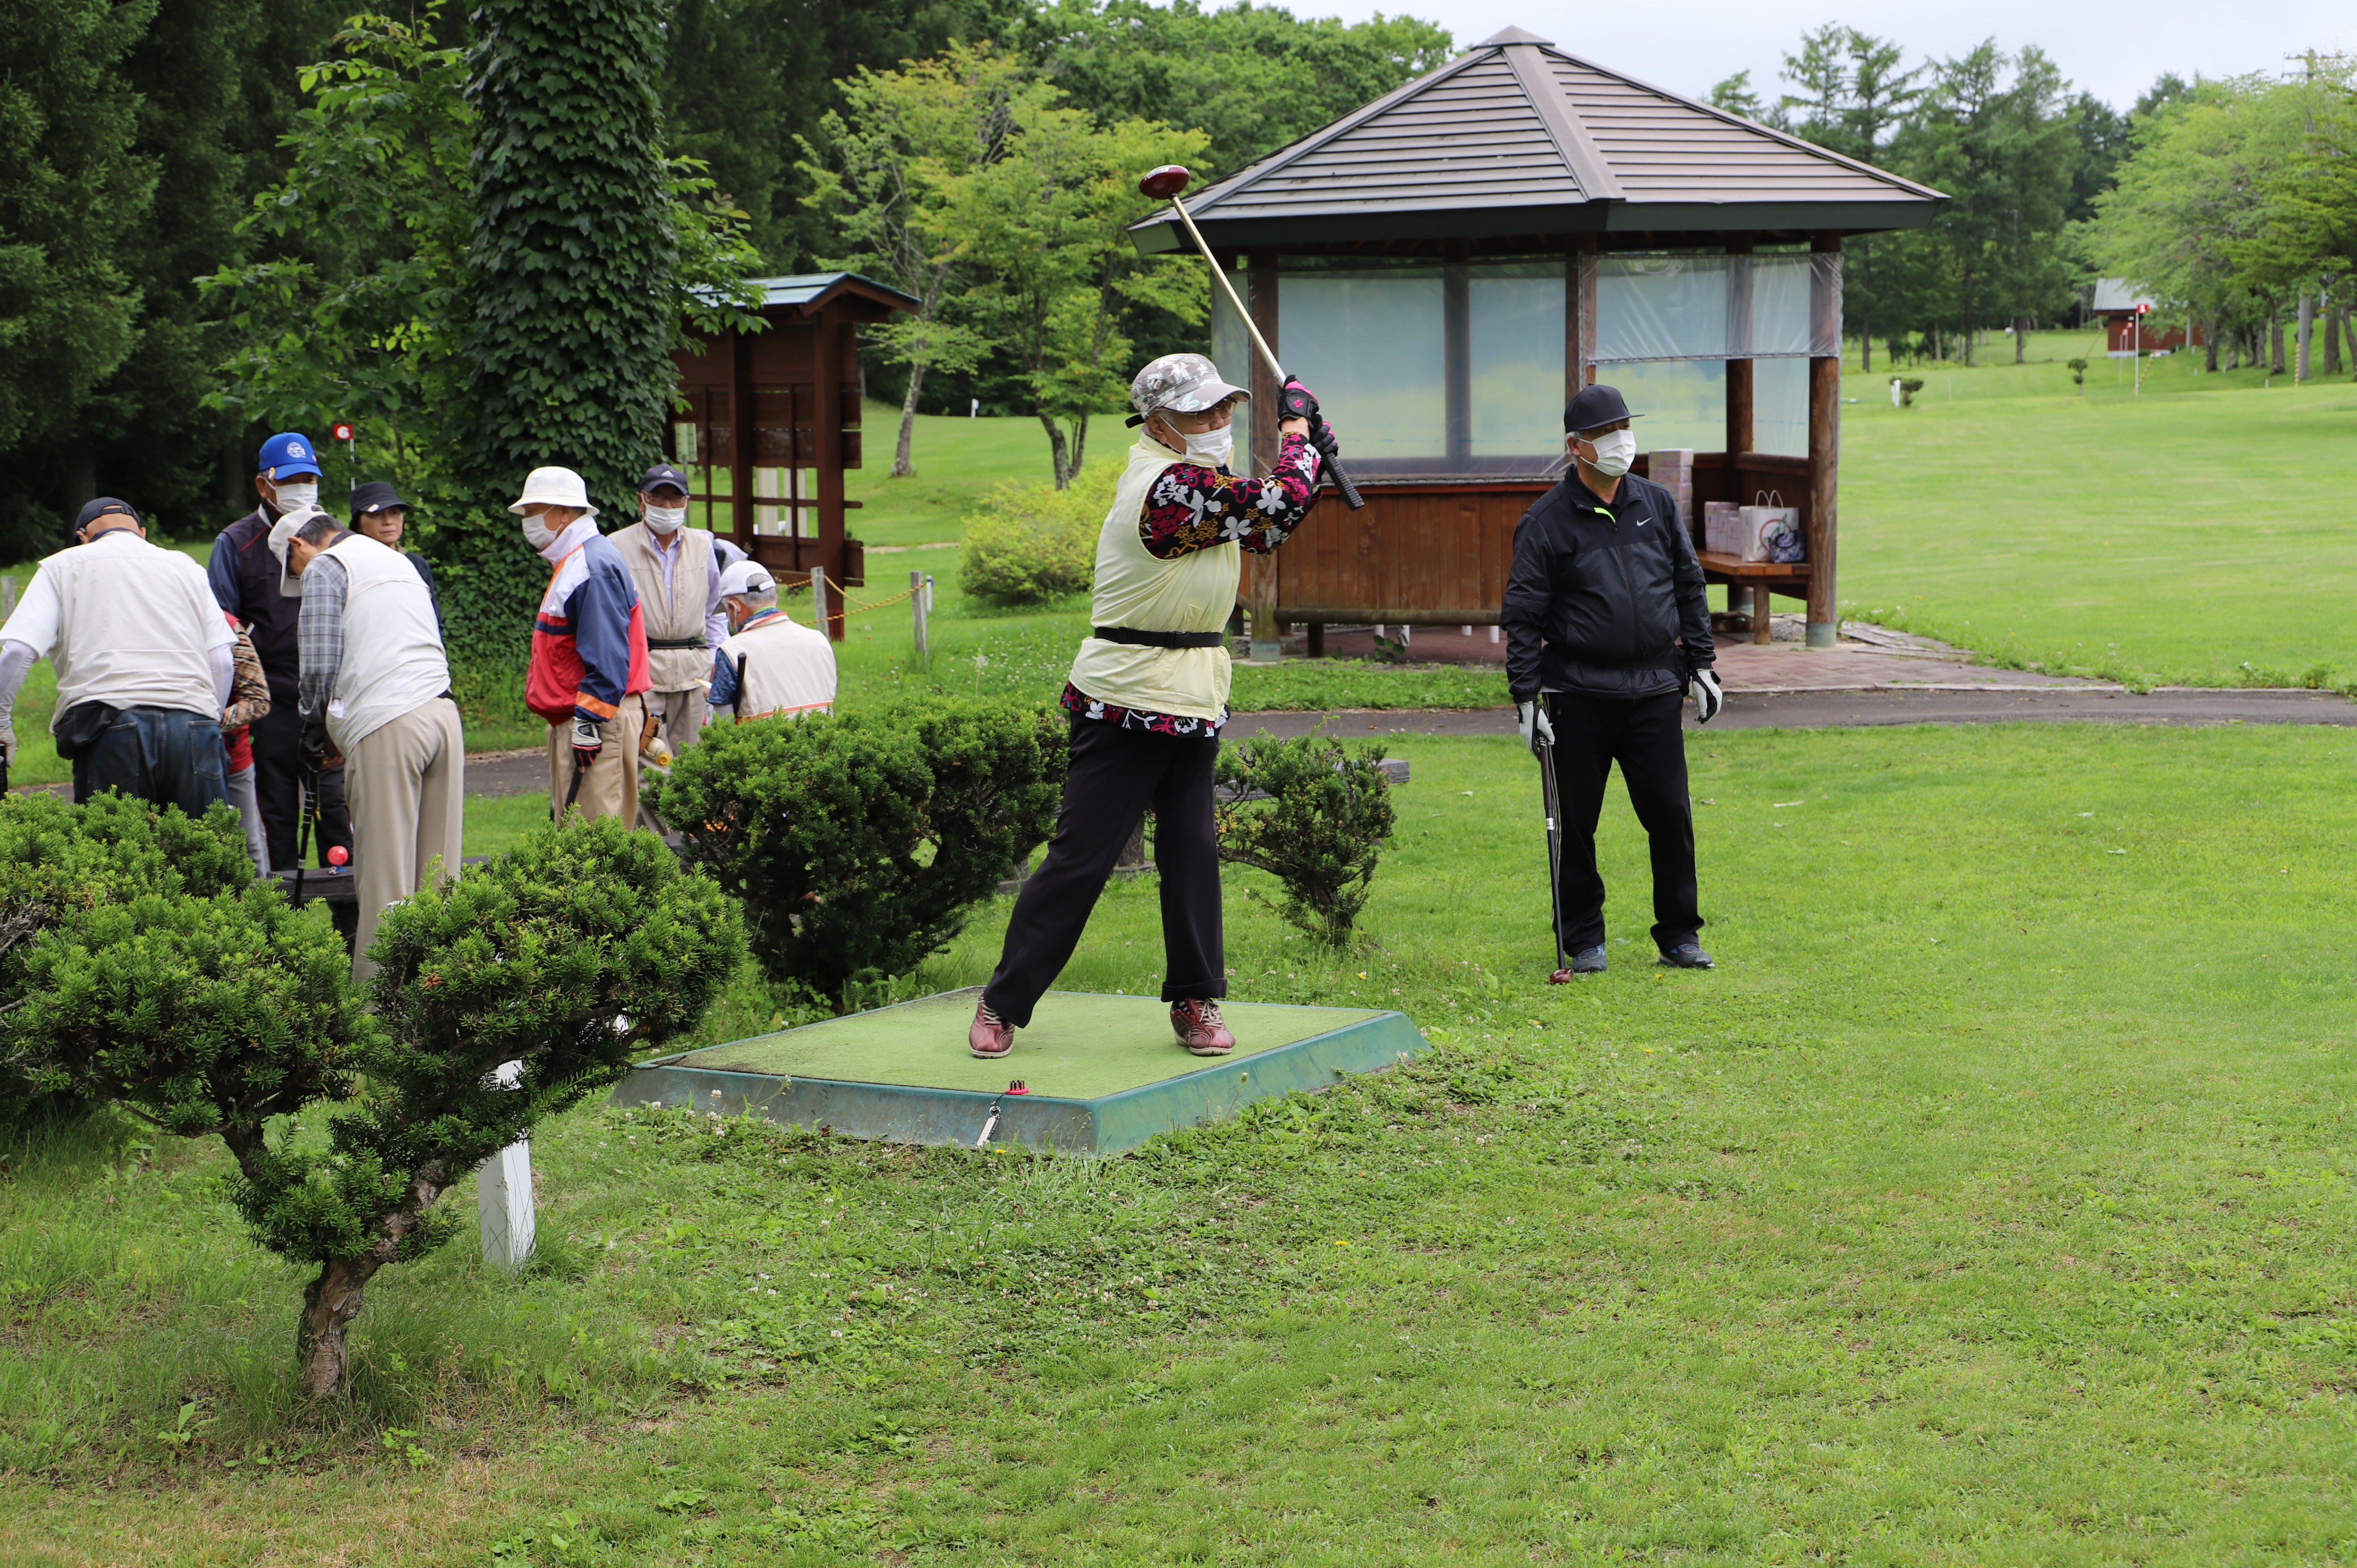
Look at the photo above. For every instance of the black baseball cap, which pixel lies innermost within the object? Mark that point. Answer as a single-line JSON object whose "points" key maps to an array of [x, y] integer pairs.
{"points": [[664, 473], [1595, 407], [101, 507], [376, 495]]}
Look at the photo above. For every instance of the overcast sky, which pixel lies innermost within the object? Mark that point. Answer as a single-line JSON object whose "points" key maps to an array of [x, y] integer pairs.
{"points": [[2111, 47]]}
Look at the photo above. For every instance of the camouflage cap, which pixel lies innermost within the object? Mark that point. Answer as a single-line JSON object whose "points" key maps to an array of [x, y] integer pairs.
{"points": [[1185, 383]]}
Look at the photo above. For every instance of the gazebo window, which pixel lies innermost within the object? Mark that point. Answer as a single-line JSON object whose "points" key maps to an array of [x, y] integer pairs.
{"points": [[1458, 369]]}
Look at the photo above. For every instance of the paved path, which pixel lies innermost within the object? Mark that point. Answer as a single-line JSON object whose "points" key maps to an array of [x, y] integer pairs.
{"points": [[1821, 710]]}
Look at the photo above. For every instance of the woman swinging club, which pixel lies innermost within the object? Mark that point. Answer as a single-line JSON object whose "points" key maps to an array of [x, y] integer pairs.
{"points": [[1150, 692]]}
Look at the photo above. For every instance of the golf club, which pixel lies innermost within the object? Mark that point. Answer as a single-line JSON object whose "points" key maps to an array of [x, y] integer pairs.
{"points": [[306, 797], [1164, 184], [1545, 749]]}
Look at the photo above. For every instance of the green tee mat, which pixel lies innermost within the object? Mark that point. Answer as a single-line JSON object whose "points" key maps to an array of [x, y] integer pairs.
{"points": [[1103, 1073]]}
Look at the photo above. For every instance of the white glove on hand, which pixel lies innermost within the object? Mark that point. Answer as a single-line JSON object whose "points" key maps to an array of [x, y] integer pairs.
{"points": [[589, 735], [1536, 725], [7, 745], [1708, 695]]}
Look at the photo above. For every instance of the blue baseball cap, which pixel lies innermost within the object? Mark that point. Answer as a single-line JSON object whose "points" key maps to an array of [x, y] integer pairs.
{"points": [[285, 455]]}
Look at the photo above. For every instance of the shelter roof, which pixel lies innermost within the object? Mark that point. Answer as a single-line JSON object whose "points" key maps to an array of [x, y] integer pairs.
{"points": [[2115, 296], [1518, 138], [811, 290]]}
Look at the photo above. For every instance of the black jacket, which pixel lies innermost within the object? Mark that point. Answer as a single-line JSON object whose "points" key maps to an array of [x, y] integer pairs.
{"points": [[245, 577], [1605, 600]]}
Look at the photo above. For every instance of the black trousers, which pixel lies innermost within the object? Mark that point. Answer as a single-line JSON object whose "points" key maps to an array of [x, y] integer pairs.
{"points": [[1644, 736], [1115, 775], [277, 738]]}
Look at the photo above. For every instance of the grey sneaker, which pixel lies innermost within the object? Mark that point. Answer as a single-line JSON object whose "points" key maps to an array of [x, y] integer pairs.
{"points": [[1687, 955], [1588, 960]]}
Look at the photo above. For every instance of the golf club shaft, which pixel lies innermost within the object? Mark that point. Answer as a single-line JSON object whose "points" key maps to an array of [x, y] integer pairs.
{"points": [[1350, 497], [1554, 844]]}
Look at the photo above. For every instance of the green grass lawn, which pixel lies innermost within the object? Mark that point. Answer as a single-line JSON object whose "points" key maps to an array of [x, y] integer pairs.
{"points": [[957, 462], [2197, 534], [1986, 1206]]}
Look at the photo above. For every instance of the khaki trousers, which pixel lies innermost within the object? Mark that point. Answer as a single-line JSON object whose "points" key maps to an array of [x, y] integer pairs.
{"points": [[406, 782], [611, 787], [684, 714]]}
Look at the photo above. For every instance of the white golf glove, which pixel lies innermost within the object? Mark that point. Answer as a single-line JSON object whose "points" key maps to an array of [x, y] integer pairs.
{"points": [[1708, 695], [1536, 725], [7, 745]]}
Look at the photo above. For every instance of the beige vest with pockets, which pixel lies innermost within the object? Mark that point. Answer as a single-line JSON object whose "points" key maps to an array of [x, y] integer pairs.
{"points": [[1194, 592]]}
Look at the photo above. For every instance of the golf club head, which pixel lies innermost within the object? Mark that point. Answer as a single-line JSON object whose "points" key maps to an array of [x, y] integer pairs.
{"points": [[1561, 977], [1163, 183]]}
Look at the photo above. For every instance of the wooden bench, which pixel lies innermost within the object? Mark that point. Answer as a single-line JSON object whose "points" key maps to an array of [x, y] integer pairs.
{"points": [[1790, 578]]}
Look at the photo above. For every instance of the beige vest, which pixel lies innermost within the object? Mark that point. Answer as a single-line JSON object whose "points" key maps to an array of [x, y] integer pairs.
{"points": [[1194, 592], [672, 601], [788, 669], [133, 622], [393, 662]]}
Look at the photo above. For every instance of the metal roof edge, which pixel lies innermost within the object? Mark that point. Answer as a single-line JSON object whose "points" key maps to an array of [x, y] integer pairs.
{"points": [[1770, 131], [1539, 220]]}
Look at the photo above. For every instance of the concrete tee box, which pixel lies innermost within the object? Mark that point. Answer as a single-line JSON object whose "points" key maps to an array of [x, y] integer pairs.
{"points": [[1103, 1073]]}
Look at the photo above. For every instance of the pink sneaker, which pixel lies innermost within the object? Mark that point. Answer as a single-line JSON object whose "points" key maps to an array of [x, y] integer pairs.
{"points": [[991, 1037], [1200, 1029]]}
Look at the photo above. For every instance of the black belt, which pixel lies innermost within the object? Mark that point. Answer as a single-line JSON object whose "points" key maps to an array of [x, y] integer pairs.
{"points": [[1138, 638], [664, 644]]}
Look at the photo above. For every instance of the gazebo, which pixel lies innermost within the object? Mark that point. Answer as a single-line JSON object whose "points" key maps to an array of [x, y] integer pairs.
{"points": [[772, 422], [1447, 264]]}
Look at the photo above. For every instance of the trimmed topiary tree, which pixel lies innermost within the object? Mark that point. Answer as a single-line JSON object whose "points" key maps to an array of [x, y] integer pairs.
{"points": [[860, 842], [1320, 831], [568, 956]]}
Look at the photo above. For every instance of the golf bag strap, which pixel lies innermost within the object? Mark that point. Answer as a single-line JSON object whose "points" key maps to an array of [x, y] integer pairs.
{"points": [[1138, 638]]}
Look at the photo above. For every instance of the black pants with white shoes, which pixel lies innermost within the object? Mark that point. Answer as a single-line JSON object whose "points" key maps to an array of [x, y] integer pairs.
{"points": [[1644, 735], [1115, 775]]}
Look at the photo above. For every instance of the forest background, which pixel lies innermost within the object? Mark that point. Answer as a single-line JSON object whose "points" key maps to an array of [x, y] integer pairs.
{"points": [[201, 202]]}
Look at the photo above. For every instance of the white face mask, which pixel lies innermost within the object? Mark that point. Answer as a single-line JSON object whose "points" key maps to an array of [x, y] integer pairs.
{"points": [[666, 518], [294, 497], [1614, 452], [1213, 446], [537, 533]]}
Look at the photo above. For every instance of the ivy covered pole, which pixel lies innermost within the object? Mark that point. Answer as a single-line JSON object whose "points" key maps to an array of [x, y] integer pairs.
{"points": [[572, 262]]}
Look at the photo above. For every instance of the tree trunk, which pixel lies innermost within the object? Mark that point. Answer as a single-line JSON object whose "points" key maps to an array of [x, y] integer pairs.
{"points": [[2209, 347], [2276, 366], [1865, 342], [2020, 340], [330, 1304], [1080, 443], [1057, 451], [2332, 310], [901, 466], [2307, 334]]}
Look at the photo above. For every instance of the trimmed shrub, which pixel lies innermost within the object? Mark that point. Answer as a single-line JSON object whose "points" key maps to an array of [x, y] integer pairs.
{"points": [[1031, 544], [59, 863], [859, 841], [1320, 833]]}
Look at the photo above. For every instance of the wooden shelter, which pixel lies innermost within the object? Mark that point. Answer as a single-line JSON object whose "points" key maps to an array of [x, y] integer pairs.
{"points": [[1448, 264], [772, 422]]}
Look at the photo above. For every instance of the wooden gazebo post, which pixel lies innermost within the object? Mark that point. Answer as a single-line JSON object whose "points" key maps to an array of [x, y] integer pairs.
{"points": [[1825, 464]]}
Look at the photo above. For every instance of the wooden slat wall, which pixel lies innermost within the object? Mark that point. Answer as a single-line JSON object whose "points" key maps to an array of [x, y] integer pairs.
{"points": [[1434, 553]]}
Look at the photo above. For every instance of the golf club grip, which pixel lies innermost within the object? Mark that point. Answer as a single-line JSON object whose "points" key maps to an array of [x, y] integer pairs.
{"points": [[1350, 496]]}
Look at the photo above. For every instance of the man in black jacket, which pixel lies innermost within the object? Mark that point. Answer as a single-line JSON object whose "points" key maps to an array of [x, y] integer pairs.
{"points": [[1605, 628]]}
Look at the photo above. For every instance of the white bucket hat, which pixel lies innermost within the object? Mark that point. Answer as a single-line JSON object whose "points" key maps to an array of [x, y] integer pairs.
{"points": [[746, 577], [556, 487], [284, 529]]}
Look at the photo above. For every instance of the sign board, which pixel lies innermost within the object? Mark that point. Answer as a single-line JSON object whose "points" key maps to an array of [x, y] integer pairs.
{"points": [[341, 433]]}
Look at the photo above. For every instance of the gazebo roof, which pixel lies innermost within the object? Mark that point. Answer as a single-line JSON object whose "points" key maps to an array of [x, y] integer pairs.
{"points": [[1516, 136], [811, 290]]}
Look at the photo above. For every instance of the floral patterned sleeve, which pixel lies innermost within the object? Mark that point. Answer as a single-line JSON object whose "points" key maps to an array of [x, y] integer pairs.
{"points": [[1193, 508]]}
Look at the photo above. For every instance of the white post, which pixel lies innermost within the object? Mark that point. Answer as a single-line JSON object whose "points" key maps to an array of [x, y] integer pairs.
{"points": [[818, 597], [503, 1196], [917, 603], [7, 597]]}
